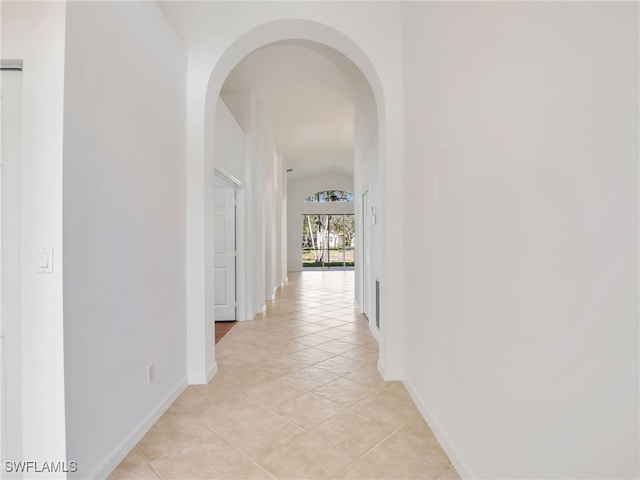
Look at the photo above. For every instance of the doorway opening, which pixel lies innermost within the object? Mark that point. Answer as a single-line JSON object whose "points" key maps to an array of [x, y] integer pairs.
{"points": [[353, 114], [328, 241], [328, 236], [225, 247]]}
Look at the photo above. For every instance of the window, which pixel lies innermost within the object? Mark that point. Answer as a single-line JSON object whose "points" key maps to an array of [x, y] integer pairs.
{"points": [[328, 241], [331, 196]]}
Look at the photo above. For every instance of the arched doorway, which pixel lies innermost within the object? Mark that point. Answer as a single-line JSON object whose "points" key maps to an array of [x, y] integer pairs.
{"points": [[201, 163]]}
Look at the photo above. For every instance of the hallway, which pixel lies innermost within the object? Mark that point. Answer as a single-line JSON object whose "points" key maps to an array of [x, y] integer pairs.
{"points": [[297, 396]]}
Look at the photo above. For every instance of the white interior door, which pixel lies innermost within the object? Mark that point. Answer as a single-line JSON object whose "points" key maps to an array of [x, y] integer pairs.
{"points": [[10, 336], [366, 255], [225, 254]]}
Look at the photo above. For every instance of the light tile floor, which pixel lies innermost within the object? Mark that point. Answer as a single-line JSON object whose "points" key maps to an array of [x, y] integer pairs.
{"points": [[297, 396]]}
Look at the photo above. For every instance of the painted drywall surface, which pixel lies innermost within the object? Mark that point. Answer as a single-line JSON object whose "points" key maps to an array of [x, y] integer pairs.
{"points": [[11, 340], [301, 189], [269, 209], [243, 107], [522, 255], [367, 179], [200, 353], [229, 142], [269, 193], [232, 31], [258, 199], [255, 240], [275, 200], [124, 219], [231, 146], [268, 218], [43, 396]]}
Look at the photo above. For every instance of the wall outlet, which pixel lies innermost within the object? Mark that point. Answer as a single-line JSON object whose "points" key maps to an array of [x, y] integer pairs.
{"points": [[151, 374]]}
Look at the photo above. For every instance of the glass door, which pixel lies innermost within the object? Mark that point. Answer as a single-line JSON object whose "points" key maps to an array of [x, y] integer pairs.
{"points": [[328, 241]]}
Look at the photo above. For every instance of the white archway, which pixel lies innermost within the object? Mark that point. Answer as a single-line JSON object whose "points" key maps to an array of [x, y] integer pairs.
{"points": [[203, 96]]}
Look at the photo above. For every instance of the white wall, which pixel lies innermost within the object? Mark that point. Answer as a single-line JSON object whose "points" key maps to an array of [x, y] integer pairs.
{"points": [[230, 154], [301, 189], [367, 179], [243, 145], [521, 261], [279, 242], [229, 142], [242, 107], [43, 396], [271, 209], [260, 200], [124, 220], [10, 337]]}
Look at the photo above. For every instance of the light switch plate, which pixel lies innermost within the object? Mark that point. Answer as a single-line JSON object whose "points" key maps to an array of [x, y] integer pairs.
{"points": [[45, 260]]}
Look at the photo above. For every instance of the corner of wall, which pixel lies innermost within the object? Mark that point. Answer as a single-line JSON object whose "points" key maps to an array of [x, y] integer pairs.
{"points": [[211, 372], [436, 427], [389, 375]]}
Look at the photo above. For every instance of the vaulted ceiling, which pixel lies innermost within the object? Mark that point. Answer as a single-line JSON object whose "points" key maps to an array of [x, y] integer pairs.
{"points": [[306, 90], [307, 94]]}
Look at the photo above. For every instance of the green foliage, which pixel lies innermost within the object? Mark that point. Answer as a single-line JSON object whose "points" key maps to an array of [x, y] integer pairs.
{"points": [[327, 236], [330, 264], [331, 196]]}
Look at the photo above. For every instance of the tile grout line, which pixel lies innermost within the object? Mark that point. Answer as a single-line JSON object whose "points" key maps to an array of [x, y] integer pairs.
{"points": [[242, 452], [285, 321]]}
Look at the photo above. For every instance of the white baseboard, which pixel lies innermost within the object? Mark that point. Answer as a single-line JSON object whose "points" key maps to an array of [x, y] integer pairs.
{"points": [[272, 297], [374, 331], [389, 375], [213, 369], [200, 379], [122, 450], [436, 427], [197, 379]]}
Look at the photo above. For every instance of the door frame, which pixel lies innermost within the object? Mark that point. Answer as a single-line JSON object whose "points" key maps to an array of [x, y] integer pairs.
{"points": [[366, 250], [224, 179], [10, 266], [229, 256]]}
